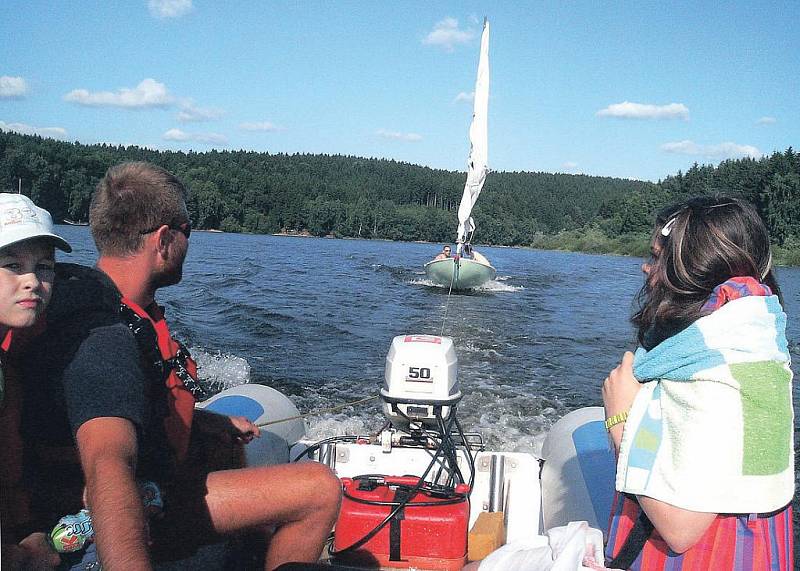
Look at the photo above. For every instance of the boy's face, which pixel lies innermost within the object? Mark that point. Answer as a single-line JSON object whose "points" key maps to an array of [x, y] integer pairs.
{"points": [[27, 270]]}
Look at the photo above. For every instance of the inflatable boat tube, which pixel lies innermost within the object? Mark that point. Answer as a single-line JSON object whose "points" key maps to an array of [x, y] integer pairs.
{"points": [[578, 470], [262, 404]]}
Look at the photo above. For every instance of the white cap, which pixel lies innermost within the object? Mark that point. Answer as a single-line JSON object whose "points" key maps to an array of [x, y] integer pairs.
{"points": [[21, 219]]}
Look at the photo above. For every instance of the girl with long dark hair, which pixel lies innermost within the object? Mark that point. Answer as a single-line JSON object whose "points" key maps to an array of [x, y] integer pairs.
{"points": [[701, 416]]}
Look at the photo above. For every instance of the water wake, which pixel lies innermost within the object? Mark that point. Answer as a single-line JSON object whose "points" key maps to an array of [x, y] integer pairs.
{"points": [[497, 285], [218, 372]]}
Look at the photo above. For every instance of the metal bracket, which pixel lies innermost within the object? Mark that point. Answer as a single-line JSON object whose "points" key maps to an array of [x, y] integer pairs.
{"points": [[485, 463], [342, 454]]}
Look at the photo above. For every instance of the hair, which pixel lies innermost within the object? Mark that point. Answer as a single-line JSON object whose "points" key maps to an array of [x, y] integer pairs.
{"points": [[710, 240], [130, 200]]}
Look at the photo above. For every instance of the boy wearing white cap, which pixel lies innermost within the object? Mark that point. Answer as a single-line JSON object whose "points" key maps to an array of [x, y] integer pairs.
{"points": [[27, 261], [27, 268]]}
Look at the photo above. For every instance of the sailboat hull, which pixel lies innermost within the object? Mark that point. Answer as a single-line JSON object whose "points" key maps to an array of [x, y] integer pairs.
{"points": [[466, 274]]}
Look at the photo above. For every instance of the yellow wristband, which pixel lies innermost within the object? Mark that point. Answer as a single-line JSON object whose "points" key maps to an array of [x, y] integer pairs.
{"points": [[616, 419]]}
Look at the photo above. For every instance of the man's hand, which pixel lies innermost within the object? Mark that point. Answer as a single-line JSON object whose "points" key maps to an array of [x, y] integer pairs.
{"points": [[242, 429], [227, 428], [619, 391], [31, 554]]}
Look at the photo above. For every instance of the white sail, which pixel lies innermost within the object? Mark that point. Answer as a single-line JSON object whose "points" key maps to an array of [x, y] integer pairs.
{"points": [[477, 164], [468, 269]]}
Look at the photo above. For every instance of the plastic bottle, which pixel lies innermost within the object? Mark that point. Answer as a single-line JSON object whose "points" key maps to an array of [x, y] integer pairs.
{"points": [[72, 532]]}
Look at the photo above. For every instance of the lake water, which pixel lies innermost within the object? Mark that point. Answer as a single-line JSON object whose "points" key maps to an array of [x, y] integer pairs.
{"points": [[314, 318]]}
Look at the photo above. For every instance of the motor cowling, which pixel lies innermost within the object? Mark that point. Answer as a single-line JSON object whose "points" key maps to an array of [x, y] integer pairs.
{"points": [[420, 380]]}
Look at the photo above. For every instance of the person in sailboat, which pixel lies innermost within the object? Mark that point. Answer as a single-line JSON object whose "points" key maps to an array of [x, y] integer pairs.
{"points": [[701, 416], [116, 388], [444, 254], [27, 261], [471, 253]]}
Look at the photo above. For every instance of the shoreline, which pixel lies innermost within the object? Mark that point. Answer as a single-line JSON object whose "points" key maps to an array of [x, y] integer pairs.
{"points": [[635, 246]]}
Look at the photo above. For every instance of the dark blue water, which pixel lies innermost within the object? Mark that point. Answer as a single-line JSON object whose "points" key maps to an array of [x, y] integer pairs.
{"points": [[315, 318]]}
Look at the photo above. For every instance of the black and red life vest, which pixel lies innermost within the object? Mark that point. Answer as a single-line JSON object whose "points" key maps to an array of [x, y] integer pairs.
{"points": [[174, 363]]}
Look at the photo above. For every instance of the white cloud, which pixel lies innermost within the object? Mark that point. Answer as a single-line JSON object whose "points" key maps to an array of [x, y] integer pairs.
{"points": [[149, 93], [628, 110], [395, 136], [570, 166], [465, 96], [266, 126], [190, 113], [169, 8], [721, 151], [13, 87], [22, 128], [176, 135], [205, 138], [447, 34], [766, 121]]}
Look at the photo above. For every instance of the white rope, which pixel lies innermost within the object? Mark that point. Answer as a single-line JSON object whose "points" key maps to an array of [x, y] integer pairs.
{"points": [[447, 302]]}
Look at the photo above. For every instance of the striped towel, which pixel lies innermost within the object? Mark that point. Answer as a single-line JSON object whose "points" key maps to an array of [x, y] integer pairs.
{"points": [[711, 429]]}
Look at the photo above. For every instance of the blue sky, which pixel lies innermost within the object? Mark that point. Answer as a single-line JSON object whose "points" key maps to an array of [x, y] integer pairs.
{"points": [[624, 89]]}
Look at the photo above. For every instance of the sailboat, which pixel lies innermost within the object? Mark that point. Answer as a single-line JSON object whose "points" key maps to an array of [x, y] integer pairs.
{"points": [[466, 269]]}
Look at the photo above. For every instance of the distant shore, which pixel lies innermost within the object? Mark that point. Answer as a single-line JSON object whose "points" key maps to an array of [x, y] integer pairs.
{"points": [[587, 242], [298, 234]]}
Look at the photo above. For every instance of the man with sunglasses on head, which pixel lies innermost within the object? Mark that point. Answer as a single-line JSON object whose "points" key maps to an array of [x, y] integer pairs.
{"points": [[122, 391]]}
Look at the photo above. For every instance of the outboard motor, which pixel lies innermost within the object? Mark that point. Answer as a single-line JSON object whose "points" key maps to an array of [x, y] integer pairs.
{"points": [[428, 513], [420, 381]]}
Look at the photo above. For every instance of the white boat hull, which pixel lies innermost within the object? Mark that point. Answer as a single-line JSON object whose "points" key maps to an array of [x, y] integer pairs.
{"points": [[460, 275]]}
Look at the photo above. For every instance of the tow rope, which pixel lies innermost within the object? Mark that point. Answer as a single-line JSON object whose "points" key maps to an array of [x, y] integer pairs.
{"points": [[449, 291]]}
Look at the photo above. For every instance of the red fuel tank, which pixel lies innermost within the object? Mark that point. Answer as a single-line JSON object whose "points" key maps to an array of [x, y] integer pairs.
{"points": [[430, 532]]}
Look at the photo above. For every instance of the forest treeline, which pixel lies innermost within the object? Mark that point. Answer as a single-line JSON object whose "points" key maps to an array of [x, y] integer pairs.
{"points": [[346, 196]]}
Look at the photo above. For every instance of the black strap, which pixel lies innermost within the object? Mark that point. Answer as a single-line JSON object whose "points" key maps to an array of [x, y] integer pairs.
{"points": [[640, 533], [147, 339], [634, 543], [178, 364], [400, 495]]}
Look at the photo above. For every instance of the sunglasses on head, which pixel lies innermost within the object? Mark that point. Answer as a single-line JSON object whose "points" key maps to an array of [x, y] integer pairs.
{"points": [[184, 228]]}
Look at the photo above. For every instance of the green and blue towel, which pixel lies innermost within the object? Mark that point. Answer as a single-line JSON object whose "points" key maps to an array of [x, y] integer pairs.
{"points": [[711, 429]]}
